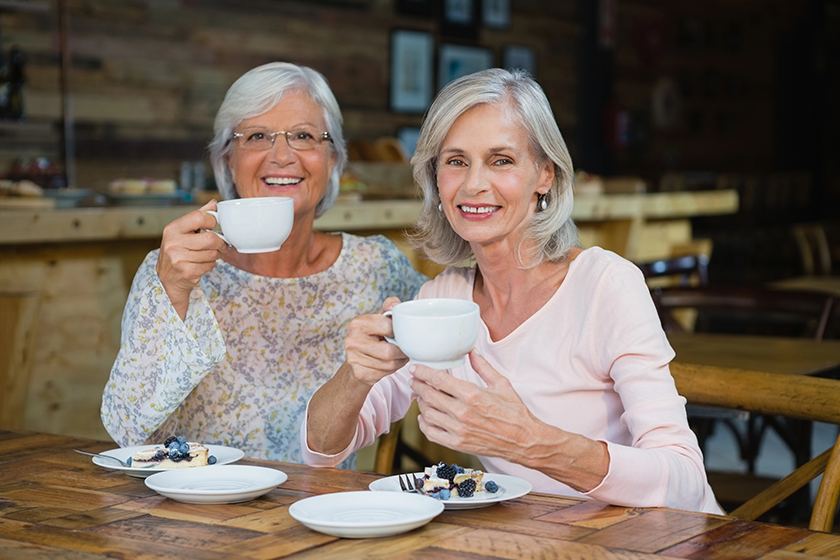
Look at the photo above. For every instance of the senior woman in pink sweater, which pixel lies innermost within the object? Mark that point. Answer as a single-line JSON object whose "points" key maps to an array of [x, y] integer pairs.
{"points": [[568, 386]]}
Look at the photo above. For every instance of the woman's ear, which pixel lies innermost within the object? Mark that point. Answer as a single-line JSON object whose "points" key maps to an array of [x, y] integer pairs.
{"points": [[546, 178]]}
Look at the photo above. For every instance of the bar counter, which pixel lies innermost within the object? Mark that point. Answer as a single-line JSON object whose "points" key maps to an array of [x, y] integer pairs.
{"points": [[76, 266]]}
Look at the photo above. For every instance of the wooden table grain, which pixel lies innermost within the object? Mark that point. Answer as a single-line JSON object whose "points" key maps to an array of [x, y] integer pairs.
{"points": [[56, 504], [798, 356]]}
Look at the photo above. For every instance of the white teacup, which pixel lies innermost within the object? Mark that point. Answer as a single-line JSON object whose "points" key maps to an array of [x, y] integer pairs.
{"points": [[255, 225], [436, 332]]}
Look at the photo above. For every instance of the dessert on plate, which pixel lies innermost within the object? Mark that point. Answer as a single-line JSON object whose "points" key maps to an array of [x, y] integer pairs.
{"points": [[175, 453], [442, 481]]}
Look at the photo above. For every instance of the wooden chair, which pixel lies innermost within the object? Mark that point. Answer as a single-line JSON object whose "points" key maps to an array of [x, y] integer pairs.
{"points": [[386, 450], [759, 310], [814, 249], [749, 310], [805, 398], [19, 313]]}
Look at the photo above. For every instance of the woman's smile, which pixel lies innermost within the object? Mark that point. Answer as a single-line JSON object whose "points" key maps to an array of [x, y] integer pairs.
{"points": [[477, 212]]}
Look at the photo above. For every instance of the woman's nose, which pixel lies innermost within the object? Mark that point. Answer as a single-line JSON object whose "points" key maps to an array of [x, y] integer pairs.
{"points": [[281, 152], [476, 180]]}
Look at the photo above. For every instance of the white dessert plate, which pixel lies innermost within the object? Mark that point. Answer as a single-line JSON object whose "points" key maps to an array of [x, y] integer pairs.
{"points": [[224, 455], [226, 484], [510, 487], [359, 515]]}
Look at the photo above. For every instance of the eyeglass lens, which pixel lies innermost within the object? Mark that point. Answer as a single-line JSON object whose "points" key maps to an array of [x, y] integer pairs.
{"points": [[262, 139]]}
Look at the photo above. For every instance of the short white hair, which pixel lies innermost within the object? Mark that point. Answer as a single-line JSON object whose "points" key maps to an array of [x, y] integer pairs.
{"points": [[258, 91], [552, 231]]}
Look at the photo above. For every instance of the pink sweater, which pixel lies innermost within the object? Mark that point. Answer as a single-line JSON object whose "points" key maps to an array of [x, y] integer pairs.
{"points": [[593, 361]]}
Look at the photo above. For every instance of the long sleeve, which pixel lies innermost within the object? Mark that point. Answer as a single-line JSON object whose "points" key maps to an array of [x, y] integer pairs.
{"points": [[661, 465], [161, 358]]}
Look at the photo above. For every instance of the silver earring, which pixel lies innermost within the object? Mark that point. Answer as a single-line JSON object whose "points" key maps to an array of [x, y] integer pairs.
{"points": [[440, 207], [542, 203]]}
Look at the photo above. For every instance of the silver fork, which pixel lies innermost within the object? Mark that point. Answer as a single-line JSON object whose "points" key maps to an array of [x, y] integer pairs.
{"points": [[408, 483], [120, 461]]}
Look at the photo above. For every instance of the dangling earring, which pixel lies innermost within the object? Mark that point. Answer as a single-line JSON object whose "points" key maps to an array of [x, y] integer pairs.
{"points": [[542, 203], [440, 206]]}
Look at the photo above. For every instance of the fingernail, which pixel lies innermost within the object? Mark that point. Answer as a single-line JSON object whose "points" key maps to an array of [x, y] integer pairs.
{"points": [[412, 368]]}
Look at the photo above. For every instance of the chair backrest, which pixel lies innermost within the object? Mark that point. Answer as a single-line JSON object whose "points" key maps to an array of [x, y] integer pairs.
{"points": [[814, 249], [810, 313], [806, 398], [681, 268]]}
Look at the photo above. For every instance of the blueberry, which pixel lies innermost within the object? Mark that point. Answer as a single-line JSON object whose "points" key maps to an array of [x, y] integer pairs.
{"points": [[128, 461], [491, 486], [434, 495], [175, 454], [169, 440], [459, 469], [181, 439], [211, 460], [445, 494], [184, 448]]}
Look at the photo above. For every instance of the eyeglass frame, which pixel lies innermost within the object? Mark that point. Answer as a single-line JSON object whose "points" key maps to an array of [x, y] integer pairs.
{"points": [[323, 137]]}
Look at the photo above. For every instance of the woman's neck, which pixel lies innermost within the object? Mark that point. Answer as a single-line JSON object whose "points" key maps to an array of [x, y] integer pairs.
{"points": [[509, 294]]}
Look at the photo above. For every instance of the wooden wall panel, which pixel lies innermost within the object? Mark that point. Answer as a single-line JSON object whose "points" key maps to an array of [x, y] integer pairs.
{"points": [[149, 70]]}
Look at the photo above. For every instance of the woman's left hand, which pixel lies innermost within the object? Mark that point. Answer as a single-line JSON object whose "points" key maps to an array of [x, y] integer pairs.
{"points": [[463, 416]]}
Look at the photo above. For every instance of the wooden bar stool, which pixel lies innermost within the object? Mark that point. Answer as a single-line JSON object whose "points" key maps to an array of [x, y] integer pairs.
{"points": [[19, 314]]}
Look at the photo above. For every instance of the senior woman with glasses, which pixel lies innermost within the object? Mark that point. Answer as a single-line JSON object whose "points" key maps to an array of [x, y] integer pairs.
{"points": [[226, 348], [568, 385]]}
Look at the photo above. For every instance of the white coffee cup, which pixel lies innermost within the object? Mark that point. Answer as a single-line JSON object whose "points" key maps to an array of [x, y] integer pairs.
{"points": [[255, 225], [437, 332]]}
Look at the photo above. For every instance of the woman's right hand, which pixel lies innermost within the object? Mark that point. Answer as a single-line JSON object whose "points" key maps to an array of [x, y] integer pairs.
{"points": [[369, 355], [187, 252]]}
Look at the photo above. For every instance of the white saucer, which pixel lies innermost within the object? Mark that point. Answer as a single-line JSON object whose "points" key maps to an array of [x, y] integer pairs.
{"points": [[226, 484], [510, 487], [224, 455], [359, 515]]}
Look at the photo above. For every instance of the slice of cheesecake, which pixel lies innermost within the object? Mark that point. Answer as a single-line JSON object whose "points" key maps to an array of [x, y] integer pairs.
{"points": [[197, 457]]}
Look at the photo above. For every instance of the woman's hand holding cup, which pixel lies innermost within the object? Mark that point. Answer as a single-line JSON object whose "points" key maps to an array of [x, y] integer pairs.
{"points": [[369, 355], [187, 252]]}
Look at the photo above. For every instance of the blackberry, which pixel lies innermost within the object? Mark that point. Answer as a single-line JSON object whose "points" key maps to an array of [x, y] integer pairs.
{"points": [[447, 471], [467, 488]]}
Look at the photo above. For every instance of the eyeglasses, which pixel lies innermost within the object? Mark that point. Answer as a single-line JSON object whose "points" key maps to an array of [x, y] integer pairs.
{"points": [[258, 139]]}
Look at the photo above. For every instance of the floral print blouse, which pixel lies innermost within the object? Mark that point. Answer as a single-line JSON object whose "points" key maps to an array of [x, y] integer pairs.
{"points": [[240, 368]]}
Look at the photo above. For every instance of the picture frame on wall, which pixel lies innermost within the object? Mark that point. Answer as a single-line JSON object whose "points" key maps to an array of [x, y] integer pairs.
{"points": [[415, 7], [455, 61], [518, 56], [496, 13], [460, 19], [412, 72]]}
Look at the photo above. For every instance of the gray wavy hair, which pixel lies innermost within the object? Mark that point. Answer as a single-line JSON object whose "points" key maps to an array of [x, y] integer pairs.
{"points": [[256, 92], [552, 233]]}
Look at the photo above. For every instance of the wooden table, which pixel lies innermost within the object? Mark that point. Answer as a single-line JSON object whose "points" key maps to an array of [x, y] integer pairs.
{"points": [[799, 356], [821, 284], [55, 503]]}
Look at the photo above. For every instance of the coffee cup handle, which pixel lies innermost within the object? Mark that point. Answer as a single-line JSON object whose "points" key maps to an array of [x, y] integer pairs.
{"points": [[216, 215], [388, 338]]}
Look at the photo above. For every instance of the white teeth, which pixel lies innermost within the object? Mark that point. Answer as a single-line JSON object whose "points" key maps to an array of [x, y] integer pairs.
{"points": [[478, 210], [282, 180]]}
